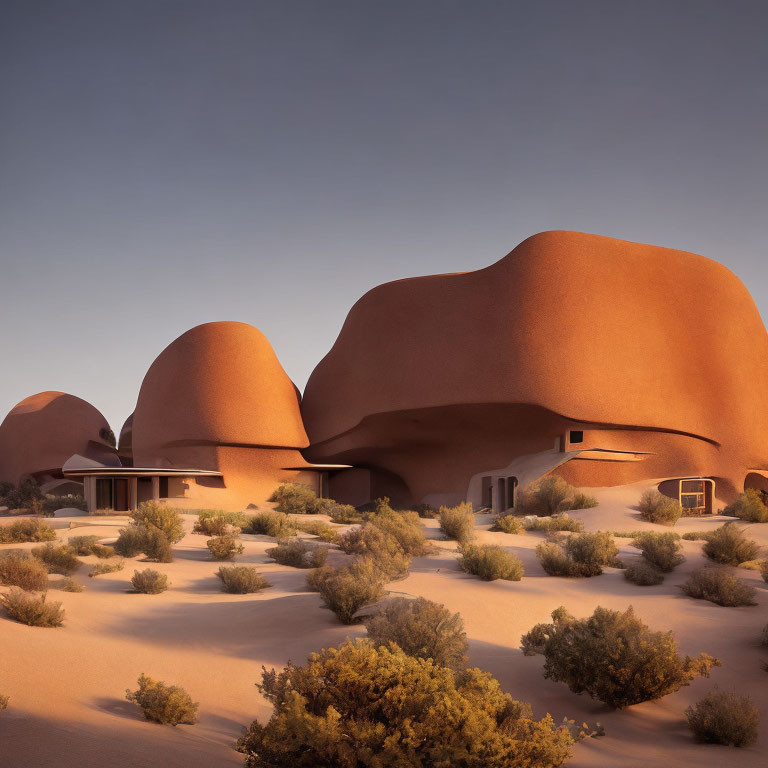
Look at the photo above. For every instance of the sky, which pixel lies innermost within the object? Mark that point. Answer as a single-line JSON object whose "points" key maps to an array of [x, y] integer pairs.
{"points": [[165, 163]]}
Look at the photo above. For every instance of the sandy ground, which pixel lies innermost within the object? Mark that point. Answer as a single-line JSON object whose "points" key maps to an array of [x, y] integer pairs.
{"points": [[67, 685]]}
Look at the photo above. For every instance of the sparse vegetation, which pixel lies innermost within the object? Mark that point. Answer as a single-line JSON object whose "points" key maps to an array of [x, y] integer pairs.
{"points": [[161, 703], [4, 702], [458, 522], [403, 526], [724, 717], [508, 524], [31, 609], [130, 542], [149, 582], [352, 703], [696, 535], [319, 528], [154, 528], [729, 546], [298, 499], [299, 553], [582, 554], [655, 507], [613, 656], [554, 524], [720, 587], [748, 507], [83, 545], [216, 522], [380, 547], [24, 531], [57, 558], [421, 628], [224, 547], [274, 524], [101, 568], [346, 590], [241, 579], [549, 496], [344, 514], [425, 510], [67, 585], [156, 546], [153, 515], [490, 562], [18, 569], [643, 573], [582, 501], [661, 550]]}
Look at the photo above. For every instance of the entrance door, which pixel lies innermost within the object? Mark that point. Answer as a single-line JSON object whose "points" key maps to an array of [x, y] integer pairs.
{"points": [[501, 495], [104, 495], [121, 495]]}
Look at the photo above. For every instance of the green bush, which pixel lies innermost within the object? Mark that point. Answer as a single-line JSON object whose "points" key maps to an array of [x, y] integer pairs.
{"points": [[18, 569], [421, 628], [749, 507], [661, 550], [366, 705], [643, 574], [655, 507], [346, 590], [57, 558], [274, 524], [101, 568], [153, 515], [344, 514], [33, 610], [720, 587], [216, 522], [149, 582], [724, 718], [297, 499], [318, 528], [24, 531], [508, 524], [458, 522], [490, 562], [224, 547], [729, 546], [613, 656], [161, 703], [299, 554], [554, 524], [241, 579]]}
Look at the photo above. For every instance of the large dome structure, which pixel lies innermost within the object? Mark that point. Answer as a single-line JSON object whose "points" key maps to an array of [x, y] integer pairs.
{"points": [[605, 360]]}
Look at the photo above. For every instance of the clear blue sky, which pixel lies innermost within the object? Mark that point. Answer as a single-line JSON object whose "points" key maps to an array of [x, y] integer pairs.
{"points": [[164, 163]]}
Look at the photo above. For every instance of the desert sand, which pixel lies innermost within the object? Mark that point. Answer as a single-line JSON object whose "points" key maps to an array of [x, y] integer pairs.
{"points": [[67, 685]]}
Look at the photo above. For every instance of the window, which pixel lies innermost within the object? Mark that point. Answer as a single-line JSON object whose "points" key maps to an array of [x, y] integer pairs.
{"points": [[163, 494], [576, 436], [692, 495]]}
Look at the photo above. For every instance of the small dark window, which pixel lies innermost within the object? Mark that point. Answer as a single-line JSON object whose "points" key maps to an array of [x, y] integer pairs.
{"points": [[576, 436]]}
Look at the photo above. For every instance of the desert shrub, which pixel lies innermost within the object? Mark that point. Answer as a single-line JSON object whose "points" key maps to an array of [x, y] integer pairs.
{"points": [[156, 546], [23, 531], [50, 504], [508, 524], [31, 609], [613, 656], [241, 579], [723, 717], [18, 569], [216, 522], [764, 570], [424, 510], [696, 536], [26, 495], [297, 499], [149, 582], [549, 496], [344, 514], [458, 522], [661, 550], [358, 702], [749, 507], [655, 507], [582, 501], [103, 551], [155, 516], [403, 526], [380, 547], [720, 587], [628, 534], [556, 562], [68, 585], [421, 628], [130, 541], [490, 562], [101, 568], [299, 554], [224, 547], [318, 528], [729, 546], [161, 703], [57, 558], [4, 702], [553, 524], [274, 524], [83, 545], [592, 551], [346, 590], [643, 573]]}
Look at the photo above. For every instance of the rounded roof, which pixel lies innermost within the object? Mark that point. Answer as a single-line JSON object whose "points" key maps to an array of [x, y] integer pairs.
{"points": [[595, 329], [44, 430], [218, 383]]}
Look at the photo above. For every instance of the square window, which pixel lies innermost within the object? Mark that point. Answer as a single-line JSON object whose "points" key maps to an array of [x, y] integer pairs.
{"points": [[576, 436]]}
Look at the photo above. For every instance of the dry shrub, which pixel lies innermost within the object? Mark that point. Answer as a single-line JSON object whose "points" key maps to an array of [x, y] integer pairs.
{"points": [[318, 528], [130, 542], [149, 540], [549, 496], [24, 531], [655, 507], [103, 551], [723, 717], [582, 500], [18, 569], [241, 579], [729, 546], [161, 703], [696, 536], [425, 510], [720, 587], [380, 547], [274, 524], [643, 574], [346, 590], [299, 554], [582, 554], [556, 562], [58, 558], [216, 522], [561, 522], [661, 550], [101, 568], [749, 507], [4, 702], [224, 547], [764, 570], [404, 526], [157, 547], [83, 545], [613, 656], [490, 562], [31, 609], [67, 585], [296, 499], [153, 515], [508, 524], [458, 522], [149, 582], [344, 514], [422, 628]]}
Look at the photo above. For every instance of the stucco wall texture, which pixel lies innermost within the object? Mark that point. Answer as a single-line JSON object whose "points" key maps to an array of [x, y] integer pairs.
{"points": [[647, 349]]}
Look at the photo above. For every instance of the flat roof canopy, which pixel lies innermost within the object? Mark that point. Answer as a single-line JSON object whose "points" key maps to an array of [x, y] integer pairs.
{"points": [[138, 472], [319, 467]]}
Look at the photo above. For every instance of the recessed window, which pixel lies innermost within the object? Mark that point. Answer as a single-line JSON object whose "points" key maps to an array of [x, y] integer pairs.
{"points": [[576, 436]]}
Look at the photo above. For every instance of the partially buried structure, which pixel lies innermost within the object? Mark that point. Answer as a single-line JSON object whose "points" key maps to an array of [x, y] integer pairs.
{"points": [[603, 361]]}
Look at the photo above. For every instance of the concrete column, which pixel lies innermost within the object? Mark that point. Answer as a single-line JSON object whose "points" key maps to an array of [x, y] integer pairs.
{"points": [[89, 492], [133, 492]]}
